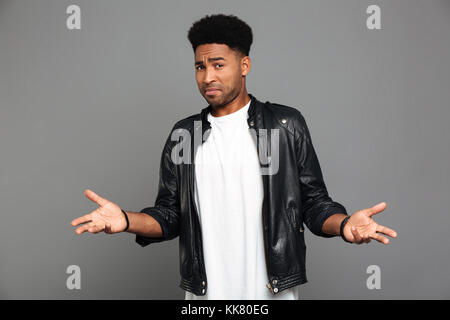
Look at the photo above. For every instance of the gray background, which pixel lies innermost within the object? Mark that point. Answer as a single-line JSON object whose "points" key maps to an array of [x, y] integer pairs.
{"points": [[91, 108]]}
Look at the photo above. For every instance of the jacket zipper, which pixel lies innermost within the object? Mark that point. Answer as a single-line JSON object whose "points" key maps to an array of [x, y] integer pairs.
{"points": [[192, 186], [263, 211], [264, 241]]}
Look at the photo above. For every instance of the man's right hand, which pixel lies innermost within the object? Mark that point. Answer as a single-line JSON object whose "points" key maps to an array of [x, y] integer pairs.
{"points": [[108, 217]]}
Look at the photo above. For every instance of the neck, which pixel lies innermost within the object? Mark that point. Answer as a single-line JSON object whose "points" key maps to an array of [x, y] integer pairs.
{"points": [[234, 105]]}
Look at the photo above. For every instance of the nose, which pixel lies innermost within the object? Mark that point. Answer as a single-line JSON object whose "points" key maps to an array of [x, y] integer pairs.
{"points": [[210, 75]]}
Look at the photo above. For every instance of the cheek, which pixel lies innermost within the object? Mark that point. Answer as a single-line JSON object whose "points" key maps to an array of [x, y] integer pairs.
{"points": [[231, 78], [235, 79], [237, 74]]}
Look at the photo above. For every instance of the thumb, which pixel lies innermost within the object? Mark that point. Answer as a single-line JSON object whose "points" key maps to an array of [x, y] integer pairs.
{"points": [[91, 195]]}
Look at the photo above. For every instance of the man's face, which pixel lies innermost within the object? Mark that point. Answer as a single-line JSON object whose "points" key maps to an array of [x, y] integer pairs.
{"points": [[220, 72]]}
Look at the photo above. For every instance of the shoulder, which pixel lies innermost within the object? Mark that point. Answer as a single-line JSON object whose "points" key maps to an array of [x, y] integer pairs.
{"points": [[179, 130], [187, 123], [282, 110], [288, 116]]}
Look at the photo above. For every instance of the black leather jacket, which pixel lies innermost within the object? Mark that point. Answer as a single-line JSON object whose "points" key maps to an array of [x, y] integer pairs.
{"points": [[294, 196]]}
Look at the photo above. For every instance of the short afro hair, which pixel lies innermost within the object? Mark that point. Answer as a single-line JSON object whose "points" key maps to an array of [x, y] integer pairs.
{"points": [[222, 29]]}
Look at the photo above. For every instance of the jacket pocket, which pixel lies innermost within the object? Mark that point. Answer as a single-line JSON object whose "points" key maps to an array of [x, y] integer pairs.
{"points": [[295, 219], [297, 224]]}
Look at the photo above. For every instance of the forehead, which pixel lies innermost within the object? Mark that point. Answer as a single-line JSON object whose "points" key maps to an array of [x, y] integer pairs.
{"points": [[211, 50]]}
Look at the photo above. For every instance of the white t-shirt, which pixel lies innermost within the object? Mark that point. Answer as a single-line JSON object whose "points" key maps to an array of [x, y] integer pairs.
{"points": [[229, 197]]}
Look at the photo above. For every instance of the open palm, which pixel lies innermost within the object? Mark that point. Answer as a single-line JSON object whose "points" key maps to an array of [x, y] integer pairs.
{"points": [[361, 228], [108, 217]]}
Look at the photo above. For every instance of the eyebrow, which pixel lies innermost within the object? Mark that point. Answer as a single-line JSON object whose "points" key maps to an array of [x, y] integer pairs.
{"points": [[209, 60]]}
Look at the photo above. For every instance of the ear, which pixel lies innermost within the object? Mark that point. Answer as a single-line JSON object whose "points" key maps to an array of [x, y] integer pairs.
{"points": [[246, 65]]}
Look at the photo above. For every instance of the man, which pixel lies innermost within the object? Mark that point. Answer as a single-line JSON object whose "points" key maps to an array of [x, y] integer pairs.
{"points": [[240, 226]]}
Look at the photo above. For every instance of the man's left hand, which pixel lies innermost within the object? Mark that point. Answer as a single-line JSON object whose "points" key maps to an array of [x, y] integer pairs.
{"points": [[361, 228]]}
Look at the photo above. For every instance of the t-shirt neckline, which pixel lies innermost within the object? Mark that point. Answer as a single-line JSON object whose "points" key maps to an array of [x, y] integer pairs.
{"points": [[240, 113]]}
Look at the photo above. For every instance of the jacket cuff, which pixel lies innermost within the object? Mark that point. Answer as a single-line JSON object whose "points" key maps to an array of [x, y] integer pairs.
{"points": [[324, 215], [144, 241]]}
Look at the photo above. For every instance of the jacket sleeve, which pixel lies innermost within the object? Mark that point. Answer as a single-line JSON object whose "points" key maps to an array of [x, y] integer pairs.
{"points": [[317, 205], [167, 206]]}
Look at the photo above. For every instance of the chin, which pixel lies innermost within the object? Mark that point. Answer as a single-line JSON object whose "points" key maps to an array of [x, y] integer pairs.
{"points": [[213, 100]]}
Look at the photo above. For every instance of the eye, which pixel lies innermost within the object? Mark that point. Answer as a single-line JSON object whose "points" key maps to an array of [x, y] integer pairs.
{"points": [[199, 66], [221, 65]]}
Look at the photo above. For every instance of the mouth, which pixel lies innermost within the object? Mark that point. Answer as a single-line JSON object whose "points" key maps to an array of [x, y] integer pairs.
{"points": [[211, 92]]}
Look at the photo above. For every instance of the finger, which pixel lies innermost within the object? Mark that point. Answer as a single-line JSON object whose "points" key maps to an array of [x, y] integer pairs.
{"points": [[91, 195], [80, 220], [376, 209], [387, 231], [356, 236], [364, 237], [97, 227], [380, 238], [84, 228]]}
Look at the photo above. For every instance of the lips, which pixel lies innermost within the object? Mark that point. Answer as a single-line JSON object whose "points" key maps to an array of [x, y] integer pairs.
{"points": [[212, 90]]}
